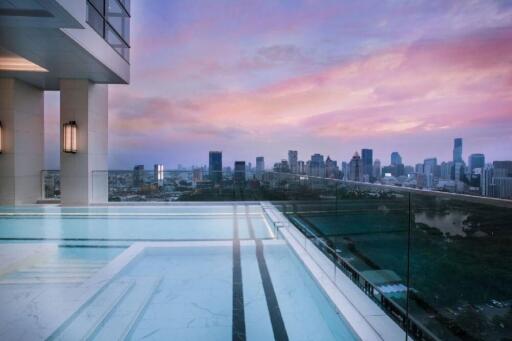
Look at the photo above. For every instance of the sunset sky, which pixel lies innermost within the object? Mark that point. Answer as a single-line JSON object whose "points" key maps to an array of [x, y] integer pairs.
{"points": [[260, 77]]}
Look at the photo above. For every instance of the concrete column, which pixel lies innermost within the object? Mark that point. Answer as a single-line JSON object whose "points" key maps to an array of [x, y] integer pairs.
{"points": [[83, 175], [22, 159]]}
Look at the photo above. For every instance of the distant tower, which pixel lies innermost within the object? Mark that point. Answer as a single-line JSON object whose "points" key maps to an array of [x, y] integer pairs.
{"points": [[158, 174], [396, 159], [292, 161], [260, 165], [215, 167], [457, 150], [476, 161], [239, 176], [356, 168], [138, 176], [367, 156], [376, 169], [317, 165]]}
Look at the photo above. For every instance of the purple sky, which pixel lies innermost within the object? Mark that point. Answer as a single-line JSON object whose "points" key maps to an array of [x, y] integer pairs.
{"points": [[260, 77]]}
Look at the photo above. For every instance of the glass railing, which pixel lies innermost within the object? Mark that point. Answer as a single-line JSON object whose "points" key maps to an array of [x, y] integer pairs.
{"points": [[439, 264], [176, 185], [50, 184]]}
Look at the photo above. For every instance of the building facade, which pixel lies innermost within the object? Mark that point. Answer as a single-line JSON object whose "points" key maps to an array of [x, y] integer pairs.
{"points": [[89, 49], [215, 166], [293, 160]]}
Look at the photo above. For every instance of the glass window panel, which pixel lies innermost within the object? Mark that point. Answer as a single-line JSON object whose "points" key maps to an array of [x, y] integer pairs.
{"points": [[119, 19], [99, 4], [94, 19], [116, 42]]}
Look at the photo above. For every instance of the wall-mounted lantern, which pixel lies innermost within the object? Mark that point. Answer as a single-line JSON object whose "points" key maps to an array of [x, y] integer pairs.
{"points": [[70, 137], [1, 132]]}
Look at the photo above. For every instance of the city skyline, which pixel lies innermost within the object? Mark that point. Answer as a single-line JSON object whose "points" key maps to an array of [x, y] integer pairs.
{"points": [[311, 78], [229, 161]]}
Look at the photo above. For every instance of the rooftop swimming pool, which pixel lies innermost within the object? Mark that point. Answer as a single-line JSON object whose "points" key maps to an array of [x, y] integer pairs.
{"points": [[190, 272]]}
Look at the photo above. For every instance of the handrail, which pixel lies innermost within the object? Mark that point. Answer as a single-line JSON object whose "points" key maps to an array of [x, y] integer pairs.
{"points": [[458, 196], [344, 264]]}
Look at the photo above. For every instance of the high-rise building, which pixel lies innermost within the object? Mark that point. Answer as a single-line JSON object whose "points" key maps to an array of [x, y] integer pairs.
{"points": [[158, 174], [282, 167], [502, 168], [503, 186], [331, 168], [345, 169], [356, 168], [429, 166], [215, 166], [476, 161], [260, 165], [239, 176], [457, 150], [317, 165], [138, 175], [293, 161], [376, 169], [446, 170], [409, 170], [367, 159], [419, 168], [396, 159], [502, 179], [301, 167], [486, 184]]}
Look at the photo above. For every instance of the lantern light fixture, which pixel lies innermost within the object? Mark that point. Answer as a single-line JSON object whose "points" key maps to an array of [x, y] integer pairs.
{"points": [[70, 137], [1, 133]]}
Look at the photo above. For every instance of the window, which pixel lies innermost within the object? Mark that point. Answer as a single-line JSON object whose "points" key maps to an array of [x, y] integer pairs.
{"points": [[111, 20]]}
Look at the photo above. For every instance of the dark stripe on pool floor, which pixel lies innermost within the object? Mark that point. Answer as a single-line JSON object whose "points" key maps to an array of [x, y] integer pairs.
{"points": [[274, 311], [238, 329]]}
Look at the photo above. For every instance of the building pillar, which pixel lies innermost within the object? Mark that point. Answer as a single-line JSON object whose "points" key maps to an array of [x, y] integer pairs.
{"points": [[83, 175], [22, 157]]}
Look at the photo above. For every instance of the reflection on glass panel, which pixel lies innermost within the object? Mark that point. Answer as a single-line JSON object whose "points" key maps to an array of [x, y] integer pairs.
{"points": [[118, 19], [460, 268], [115, 41], [99, 4], [94, 19]]}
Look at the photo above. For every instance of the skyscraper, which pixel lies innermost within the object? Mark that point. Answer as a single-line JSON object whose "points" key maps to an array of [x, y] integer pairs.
{"points": [[486, 184], [476, 161], [429, 166], [138, 175], [356, 168], [331, 168], [215, 166], [396, 159], [502, 168], [260, 165], [158, 174], [376, 169], [446, 170], [301, 167], [317, 165], [239, 176], [457, 150], [367, 158], [292, 160]]}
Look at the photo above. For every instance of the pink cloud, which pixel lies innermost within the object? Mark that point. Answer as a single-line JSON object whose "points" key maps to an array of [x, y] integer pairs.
{"points": [[455, 86]]}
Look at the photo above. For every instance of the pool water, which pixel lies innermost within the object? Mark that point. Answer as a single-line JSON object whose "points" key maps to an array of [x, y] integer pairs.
{"points": [[182, 273]]}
